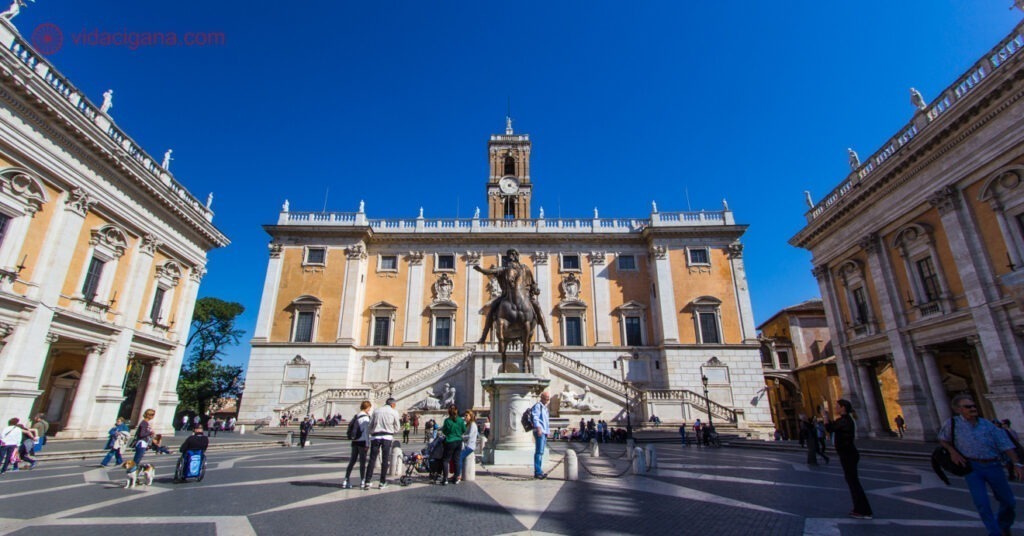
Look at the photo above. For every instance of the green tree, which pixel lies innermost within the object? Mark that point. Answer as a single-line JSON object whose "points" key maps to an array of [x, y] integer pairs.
{"points": [[204, 379]]}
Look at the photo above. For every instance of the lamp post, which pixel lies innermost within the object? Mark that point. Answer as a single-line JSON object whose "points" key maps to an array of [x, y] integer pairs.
{"points": [[309, 403], [626, 386], [704, 379]]}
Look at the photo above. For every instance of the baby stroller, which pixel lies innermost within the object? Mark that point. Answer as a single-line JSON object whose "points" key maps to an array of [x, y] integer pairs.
{"points": [[427, 460], [192, 464]]}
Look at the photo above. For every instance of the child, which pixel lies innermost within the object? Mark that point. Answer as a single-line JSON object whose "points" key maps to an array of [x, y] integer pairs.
{"points": [[158, 445]]}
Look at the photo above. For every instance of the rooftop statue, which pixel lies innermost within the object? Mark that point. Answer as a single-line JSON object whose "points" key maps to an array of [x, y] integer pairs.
{"points": [[108, 101], [13, 11], [917, 100], [167, 160], [854, 159]]}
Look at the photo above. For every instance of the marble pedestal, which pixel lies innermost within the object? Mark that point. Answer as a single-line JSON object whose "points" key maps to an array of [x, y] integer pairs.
{"points": [[511, 395]]}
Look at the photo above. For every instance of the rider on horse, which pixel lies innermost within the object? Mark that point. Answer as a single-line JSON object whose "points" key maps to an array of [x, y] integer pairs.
{"points": [[510, 277]]}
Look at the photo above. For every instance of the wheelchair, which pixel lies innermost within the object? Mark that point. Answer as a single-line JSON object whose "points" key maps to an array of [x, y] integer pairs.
{"points": [[191, 465]]}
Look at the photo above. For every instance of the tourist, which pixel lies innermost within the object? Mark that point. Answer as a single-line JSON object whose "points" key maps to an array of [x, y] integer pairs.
{"points": [[305, 428], [819, 432], [42, 427], [453, 429], [383, 427], [10, 438], [158, 445], [117, 440], [415, 424], [802, 430], [900, 425], [539, 416], [184, 422], [469, 441], [682, 433], [196, 441], [843, 432], [406, 428], [28, 441], [143, 436], [360, 442], [978, 443], [811, 433]]}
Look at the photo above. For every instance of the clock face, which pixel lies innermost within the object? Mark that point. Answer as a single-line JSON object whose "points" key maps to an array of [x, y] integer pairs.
{"points": [[508, 185]]}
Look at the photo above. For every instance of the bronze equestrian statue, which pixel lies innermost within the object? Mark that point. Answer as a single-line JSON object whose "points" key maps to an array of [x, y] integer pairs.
{"points": [[515, 314]]}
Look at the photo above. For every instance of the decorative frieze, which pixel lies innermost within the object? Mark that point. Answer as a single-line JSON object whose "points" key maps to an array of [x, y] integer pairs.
{"points": [[540, 257], [596, 258], [415, 258], [79, 202], [355, 252], [275, 250], [945, 199]]}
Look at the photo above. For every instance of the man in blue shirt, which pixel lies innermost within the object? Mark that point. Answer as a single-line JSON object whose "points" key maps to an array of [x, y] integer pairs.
{"points": [[979, 443], [539, 414]]}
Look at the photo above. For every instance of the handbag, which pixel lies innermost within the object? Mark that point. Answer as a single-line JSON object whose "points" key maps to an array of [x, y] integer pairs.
{"points": [[942, 460]]}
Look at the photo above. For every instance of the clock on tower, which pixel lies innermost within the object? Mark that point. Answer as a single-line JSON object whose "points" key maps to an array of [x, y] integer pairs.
{"points": [[508, 187]]}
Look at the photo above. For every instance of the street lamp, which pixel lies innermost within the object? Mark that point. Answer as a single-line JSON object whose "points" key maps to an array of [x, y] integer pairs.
{"points": [[704, 379], [309, 404], [626, 385]]}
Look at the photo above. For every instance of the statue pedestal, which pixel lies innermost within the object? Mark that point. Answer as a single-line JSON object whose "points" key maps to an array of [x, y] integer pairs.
{"points": [[511, 395]]}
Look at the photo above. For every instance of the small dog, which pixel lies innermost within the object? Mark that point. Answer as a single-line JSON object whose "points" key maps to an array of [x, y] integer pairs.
{"points": [[147, 471]]}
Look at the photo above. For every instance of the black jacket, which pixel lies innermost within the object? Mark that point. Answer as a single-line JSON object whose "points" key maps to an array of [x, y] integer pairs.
{"points": [[195, 442]]}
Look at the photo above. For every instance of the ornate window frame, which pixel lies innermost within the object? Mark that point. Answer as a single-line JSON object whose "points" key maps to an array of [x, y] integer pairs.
{"points": [[437, 260], [382, 309], [573, 309], [705, 305], [851, 274], [632, 309], [305, 256], [305, 304], [22, 195], [443, 309], [1004, 192], [380, 262], [689, 256], [561, 263], [107, 243], [167, 277], [915, 242]]}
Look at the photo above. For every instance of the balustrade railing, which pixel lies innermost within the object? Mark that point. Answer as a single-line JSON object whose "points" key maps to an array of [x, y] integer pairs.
{"points": [[605, 380], [949, 98], [695, 400]]}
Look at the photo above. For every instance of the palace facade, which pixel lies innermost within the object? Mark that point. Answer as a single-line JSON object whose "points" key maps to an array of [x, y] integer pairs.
{"points": [[919, 255], [360, 308], [101, 256]]}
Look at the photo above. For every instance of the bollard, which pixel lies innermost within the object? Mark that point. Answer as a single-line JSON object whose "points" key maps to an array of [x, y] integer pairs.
{"points": [[397, 467], [652, 458], [639, 464], [290, 439], [630, 445], [469, 468], [571, 465], [595, 451], [241, 430]]}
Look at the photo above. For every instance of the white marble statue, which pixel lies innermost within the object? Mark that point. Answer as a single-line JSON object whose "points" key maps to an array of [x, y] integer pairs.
{"points": [[108, 101], [430, 402], [854, 159], [476, 213], [917, 99], [362, 206], [725, 205], [567, 398], [595, 213], [654, 207], [585, 401], [209, 200], [449, 396], [284, 207], [542, 213], [421, 213], [807, 199], [167, 160], [13, 11]]}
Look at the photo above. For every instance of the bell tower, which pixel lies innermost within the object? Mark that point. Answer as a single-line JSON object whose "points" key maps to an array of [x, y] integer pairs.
{"points": [[509, 188]]}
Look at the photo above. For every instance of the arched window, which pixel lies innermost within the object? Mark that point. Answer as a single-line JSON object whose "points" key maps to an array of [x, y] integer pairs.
{"points": [[305, 312], [510, 165]]}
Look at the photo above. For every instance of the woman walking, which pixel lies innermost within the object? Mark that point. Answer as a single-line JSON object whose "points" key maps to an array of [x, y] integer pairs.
{"points": [[843, 431], [10, 438], [117, 439], [469, 441], [360, 442], [143, 436], [452, 430]]}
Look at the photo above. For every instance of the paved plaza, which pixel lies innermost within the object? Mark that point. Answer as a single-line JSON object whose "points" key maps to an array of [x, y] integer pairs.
{"points": [[297, 491]]}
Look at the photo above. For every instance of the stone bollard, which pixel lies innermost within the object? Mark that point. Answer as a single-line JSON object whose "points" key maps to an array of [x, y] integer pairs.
{"points": [[241, 430], [290, 439], [397, 467], [630, 445], [639, 464], [652, 458], [469, 468], [595, 450], [572, 471]]}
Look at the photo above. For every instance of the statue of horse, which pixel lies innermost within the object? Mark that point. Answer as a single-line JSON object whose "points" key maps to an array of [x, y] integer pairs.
{"points": [[515, 323]]}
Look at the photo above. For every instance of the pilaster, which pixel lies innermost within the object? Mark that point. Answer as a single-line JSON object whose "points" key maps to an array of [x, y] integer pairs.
{"points": [[742, 290], [414, 300], [667, 319], [268, 302], [602, 298], [474, 293], [352, 294], [938, 390], [82, 405]]}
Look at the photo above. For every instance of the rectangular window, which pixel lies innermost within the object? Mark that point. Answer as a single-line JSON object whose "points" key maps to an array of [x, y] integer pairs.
{"points": [[634, 336], [158, 305], [5, 221], [929, 279], [316, 255], [389, 263], [708, 328], [381, 327], [304, 327], [627, 262], [766, 358], [699, 256], [92, 279], [570, 262], [784, 360], [442, 331], [860, 304], [573, 331], [446, 262]]}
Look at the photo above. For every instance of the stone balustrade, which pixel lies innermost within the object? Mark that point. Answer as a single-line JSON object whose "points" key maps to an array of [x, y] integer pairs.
{"points": [[478, 225], [946, 100]]}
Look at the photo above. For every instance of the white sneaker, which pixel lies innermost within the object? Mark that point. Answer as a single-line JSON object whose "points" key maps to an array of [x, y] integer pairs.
{"points": [[383, 485]]}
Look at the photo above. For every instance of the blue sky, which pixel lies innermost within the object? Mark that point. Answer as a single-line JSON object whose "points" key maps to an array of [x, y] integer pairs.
{"points": [[626, 102]]}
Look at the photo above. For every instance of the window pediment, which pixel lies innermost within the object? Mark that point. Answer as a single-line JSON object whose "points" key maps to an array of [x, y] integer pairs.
{"points": [[1001, 183], [306, 301], [383, 306], [443, 305], [918, 234], [109, 240], [572, 304], [25, 187], [631, 306], [706, 301]]}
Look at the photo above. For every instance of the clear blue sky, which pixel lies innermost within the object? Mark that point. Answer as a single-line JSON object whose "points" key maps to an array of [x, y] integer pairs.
{"points": [[626, 102]]}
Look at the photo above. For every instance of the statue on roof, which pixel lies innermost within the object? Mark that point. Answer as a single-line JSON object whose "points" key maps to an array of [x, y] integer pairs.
{"points": [[917, 99], [13, 11], [108, 101], [807, 199], [209, 200], [167, 159], [854, 159]]}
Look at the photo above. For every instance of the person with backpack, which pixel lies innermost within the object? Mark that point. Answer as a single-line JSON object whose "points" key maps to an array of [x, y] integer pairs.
{"points": [[304, 430], [843, 431], [359, 434], [383, 427], [539, 419], [117, 440], [453, 429]]}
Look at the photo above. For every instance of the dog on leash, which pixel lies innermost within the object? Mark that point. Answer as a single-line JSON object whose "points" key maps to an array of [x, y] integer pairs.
{"points": [[145, 471]]}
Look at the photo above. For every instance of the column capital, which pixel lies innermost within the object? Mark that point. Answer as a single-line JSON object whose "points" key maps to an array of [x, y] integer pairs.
{"points": [[820, 272], [924, 349], [974, 341], [196, 274], [79, 202], [659, 252], [473, 258], [99, 349], [275, 249], [149, 244], [355, 252], [869, 242], [596, 258], [540, 257], [734, 250], [415, 257], [6, 329], [52, 337], [946, 199]]}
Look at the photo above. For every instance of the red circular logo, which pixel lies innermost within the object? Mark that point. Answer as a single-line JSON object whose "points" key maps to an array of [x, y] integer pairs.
{"points": [[47, 38]]}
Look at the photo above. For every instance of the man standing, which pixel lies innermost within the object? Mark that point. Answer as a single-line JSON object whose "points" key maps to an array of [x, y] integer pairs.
{"points": [[384, 424], [41, 427], [682, 433], [304, 429], [539, 416], [979, 443], [900, 425]]}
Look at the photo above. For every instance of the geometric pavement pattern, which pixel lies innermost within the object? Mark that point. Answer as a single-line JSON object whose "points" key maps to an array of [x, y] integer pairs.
{"points": [[297, 491]]}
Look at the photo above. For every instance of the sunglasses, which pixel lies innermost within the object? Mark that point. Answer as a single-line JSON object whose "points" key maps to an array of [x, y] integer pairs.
{"points": [[968, 406]]}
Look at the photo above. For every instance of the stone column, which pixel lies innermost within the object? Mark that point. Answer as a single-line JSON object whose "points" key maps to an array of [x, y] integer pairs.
{"points": [[602, 298], [867, 386], [739, 281], [351, 295], [474, 290], [414, 300], [268, 300], [153, 384], [86, 392], [139, 274], [166, 395], [938, 390], [666, 319], [848, 376]]}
